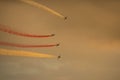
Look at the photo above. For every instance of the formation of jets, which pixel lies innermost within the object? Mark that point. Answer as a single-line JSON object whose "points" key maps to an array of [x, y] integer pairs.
{"points": [[59, 56]]}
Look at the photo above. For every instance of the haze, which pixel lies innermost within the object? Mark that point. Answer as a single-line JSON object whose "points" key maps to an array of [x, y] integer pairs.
{"points": [[89, 40]]}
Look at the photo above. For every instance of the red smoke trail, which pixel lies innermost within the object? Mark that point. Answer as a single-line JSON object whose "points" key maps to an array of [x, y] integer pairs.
{"points": [[27, 46], [22, 34]]}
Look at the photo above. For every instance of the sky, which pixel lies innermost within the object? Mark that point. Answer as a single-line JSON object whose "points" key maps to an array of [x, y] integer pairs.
{"points": [[89, 40]]}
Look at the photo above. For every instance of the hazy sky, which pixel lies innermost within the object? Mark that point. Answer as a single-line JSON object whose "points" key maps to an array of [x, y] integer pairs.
{"points": [[89, 38]]}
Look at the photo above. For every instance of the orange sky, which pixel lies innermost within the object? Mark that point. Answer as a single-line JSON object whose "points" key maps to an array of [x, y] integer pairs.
{"points": [[89, 40]]}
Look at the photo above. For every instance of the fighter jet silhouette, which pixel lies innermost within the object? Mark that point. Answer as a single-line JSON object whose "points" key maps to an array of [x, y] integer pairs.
{"points": [[65, 18], [57, 44], [59, 57], [52, 34]]}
